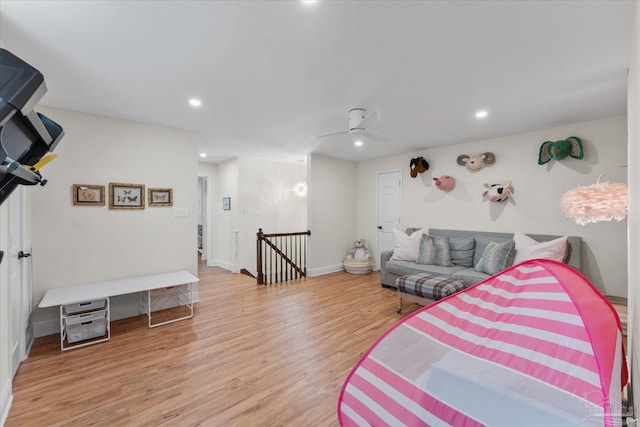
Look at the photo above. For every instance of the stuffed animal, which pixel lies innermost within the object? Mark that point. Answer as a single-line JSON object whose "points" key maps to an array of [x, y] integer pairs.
{"points": [[558, 150], [359, 250], [498, 192], [476, 162], [418, 165], [445, 182]]}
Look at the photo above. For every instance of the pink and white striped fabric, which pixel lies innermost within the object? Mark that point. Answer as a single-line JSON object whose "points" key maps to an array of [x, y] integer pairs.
{"points": [[536, 345]]}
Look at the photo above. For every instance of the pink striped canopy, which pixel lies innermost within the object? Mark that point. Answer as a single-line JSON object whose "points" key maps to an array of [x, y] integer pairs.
{"points": [[535, 345]]}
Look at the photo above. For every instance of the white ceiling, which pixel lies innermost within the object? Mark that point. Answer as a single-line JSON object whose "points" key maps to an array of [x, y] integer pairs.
{"points": [[272, 73]]}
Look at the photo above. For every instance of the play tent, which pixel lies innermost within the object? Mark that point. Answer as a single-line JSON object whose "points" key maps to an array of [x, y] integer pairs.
{"points": [[535, 345]]}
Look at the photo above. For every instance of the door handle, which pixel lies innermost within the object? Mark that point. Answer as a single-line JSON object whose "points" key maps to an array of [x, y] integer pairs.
{"points": [[379, 227], [23, 255]]}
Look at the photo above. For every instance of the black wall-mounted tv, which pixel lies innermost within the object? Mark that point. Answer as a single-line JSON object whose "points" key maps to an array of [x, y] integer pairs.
{"points": [[25, 136]]}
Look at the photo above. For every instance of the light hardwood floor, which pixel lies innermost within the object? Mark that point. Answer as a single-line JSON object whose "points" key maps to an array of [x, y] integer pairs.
{"points": [[252, 356]]}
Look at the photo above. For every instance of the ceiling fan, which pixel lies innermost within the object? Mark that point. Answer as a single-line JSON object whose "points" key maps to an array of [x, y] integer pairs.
{"points": [[357, 119]]}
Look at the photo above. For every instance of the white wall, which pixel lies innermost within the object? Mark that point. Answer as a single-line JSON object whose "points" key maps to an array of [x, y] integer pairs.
{"points": [[331, 212], [535, 204], [226, 185], [5, 379], [260, 198], [633, 111], [79, 244], [5, 376], [265, 202]]}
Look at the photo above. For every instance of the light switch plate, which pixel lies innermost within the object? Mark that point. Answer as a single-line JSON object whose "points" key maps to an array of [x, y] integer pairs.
{"points": [[180, 212]]}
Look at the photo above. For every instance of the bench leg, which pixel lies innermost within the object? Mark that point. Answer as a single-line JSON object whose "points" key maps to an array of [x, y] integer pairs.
{"points": [[399, 307]]}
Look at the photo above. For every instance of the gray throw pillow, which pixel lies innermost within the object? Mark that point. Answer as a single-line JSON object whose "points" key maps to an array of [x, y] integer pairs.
{"points": [[434, 250], [481, 243], [461, 249], [497, 256]]}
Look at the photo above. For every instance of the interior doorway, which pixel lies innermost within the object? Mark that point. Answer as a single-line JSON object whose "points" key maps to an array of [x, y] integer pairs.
{"points": [[203, 218]]}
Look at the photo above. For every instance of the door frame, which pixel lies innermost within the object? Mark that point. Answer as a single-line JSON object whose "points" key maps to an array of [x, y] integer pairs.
{"points": [[378, 240], [22, 289], [206, 221]]}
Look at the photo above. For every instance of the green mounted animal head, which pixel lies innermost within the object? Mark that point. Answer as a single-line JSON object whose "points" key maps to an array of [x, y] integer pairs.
{"points": [[558, 150]]}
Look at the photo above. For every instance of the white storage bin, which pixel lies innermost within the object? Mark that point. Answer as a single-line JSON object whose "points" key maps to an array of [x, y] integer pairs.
{"points": [[84, 306], [85, 330], [85, 317]]}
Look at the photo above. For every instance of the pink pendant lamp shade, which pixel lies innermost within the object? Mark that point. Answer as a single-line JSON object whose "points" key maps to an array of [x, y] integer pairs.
{"points": [[598, 202]]}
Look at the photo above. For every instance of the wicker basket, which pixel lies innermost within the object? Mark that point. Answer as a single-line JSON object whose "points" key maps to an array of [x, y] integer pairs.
{"points": [[358, 265]]}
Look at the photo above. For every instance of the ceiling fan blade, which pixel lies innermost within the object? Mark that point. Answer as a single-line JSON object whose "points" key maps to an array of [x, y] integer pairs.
{"points": [[375, 113], [330, 134], [377, 136]]}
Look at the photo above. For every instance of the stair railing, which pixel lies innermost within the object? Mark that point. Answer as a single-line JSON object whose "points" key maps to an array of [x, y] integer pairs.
{"points": [[281, 256]]}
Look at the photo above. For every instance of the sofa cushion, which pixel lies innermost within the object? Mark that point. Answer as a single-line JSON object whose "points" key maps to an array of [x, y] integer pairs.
{"points": [[400, 268], [528, 248], [405, 248], [496, 257], [481, 244], [434, 250], [469, 276], [461, 250]]}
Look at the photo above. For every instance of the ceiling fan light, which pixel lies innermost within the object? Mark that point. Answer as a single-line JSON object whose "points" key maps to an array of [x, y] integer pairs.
{"points": [[358, 143]]}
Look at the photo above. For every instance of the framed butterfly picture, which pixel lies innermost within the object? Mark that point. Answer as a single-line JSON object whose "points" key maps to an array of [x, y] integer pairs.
{"points": [[88, 195], [126, 196], [160, 197]]}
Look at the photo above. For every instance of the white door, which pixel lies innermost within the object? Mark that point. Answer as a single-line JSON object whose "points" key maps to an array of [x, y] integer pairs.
{"points": [[389, 209], [17, 282]]}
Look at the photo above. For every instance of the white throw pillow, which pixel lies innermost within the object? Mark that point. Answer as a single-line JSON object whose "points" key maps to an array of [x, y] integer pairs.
{"points": [[528, 248], [406, 248]]}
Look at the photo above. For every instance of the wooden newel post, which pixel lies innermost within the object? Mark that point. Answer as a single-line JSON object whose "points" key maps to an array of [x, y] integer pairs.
{"points": [[260, 236], [306, 247]]}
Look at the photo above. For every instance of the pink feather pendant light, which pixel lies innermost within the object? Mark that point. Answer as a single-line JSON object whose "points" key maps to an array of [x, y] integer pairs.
{"points": [[599, 202]]}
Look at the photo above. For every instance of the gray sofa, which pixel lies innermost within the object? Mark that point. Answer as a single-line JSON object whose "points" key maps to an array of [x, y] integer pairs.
{"points": [[471, 245]]}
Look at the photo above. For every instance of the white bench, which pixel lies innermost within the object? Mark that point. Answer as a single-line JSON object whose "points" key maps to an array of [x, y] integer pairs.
{"points": [[84, 295]]}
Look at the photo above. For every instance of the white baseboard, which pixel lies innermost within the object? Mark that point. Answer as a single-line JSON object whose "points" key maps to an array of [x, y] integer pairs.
{"points": [[6, 398], [325, 270], [220, 263]]}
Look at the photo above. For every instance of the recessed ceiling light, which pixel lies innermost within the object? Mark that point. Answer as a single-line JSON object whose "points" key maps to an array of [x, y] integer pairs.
{"points": [[358, 143], [195, 102], [482, 114], [309, 1], [203, 155]]}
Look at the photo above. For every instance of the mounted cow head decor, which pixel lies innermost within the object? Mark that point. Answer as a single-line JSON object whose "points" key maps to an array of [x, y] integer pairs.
{"points": [[558, 150], [476, 162], [498, 192], [418, 165]]}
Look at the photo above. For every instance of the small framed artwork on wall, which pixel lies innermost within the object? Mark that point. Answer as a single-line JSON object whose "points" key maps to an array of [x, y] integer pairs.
{"points": [[88, 195], [126, 196], [160, 197], [226, 203]]}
